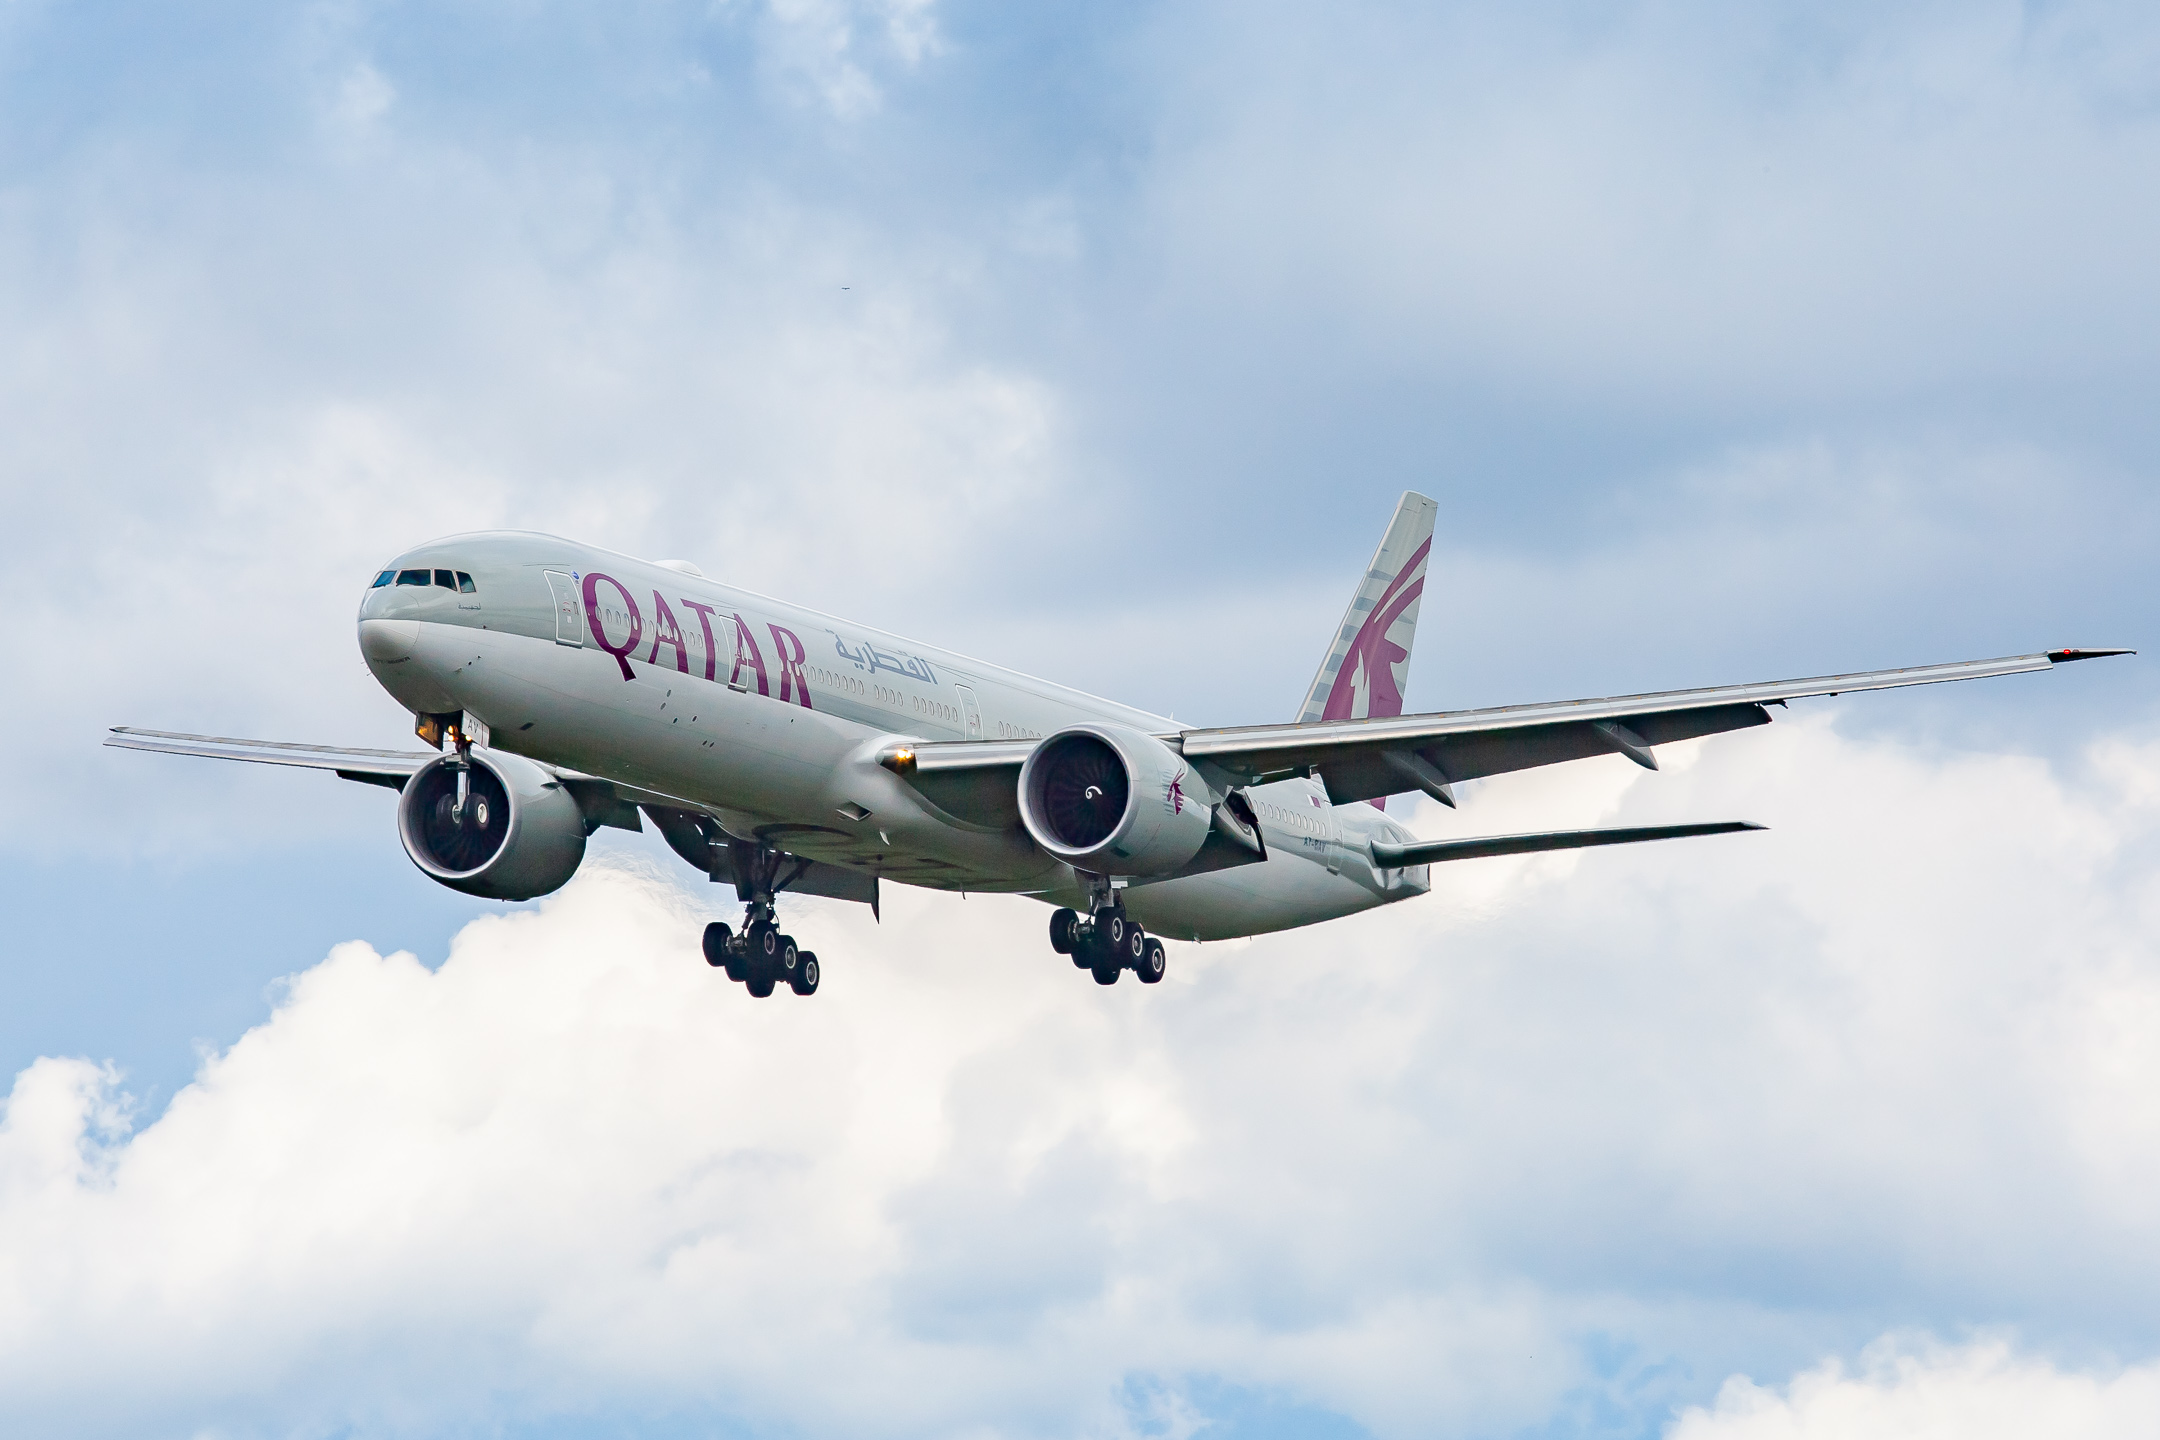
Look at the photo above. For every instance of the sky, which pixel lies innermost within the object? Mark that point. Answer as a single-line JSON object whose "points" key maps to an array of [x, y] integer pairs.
{"points": [[1736, 343]]}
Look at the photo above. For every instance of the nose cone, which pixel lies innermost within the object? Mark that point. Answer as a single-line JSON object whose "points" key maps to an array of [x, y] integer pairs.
{"points": [[388, 642]]}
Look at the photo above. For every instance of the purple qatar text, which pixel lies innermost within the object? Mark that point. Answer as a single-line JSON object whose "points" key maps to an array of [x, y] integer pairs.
{"points": [[667, 635]]}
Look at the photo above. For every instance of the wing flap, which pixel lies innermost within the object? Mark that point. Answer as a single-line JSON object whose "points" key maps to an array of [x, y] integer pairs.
{"points": [[1431, 852], [1363, 772]]}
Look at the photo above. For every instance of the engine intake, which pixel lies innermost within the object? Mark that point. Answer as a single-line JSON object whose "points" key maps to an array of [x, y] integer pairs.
{"points": [[519, 835], [1114, 801]]}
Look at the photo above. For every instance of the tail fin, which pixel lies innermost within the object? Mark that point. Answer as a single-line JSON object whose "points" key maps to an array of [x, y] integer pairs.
{"points": [[1366, 665]]}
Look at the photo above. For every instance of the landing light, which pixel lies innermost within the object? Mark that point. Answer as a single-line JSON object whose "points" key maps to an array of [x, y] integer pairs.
{"points": [[900, 762]]}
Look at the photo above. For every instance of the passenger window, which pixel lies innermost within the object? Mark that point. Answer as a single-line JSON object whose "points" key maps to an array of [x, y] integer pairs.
{"points": [[445, 579], [413, 577], [383, 579], [464, 583]]}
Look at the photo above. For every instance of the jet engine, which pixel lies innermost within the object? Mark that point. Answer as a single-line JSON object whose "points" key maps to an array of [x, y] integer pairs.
{"points": [[509, 831], [1114, 801]]}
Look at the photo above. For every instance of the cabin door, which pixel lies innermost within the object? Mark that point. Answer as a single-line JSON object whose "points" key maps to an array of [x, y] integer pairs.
{"points": [[569, 619]]}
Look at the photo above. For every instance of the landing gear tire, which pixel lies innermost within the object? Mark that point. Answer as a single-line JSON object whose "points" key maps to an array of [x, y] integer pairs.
{"points": [[758, 966], [804, 980], [1061, 931], [742, 959], [1132, 954], [1115, 926], [1107, 973], [1154, 963], [717, 936]]}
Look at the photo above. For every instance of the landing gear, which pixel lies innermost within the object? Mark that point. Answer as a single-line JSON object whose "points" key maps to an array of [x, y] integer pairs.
{"points": [[764, 957], [1118, 930], [759, 957], [1106, 941]]}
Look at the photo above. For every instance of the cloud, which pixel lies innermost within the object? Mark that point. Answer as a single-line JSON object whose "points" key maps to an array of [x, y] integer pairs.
{"points": [[1734, 345], [1674, 206], [477, 348], [1073, 412], [817, 44], [1576, 1131], [1914, 1392], [363, 97]]}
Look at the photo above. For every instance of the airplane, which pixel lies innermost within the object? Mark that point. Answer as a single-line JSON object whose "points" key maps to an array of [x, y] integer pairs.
{"points": [[786, 751]]}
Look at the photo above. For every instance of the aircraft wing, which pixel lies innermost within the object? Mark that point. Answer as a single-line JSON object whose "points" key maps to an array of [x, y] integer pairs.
{"points": [[374, 767], [603, 801], [1430, 852], [1364, 759], [688, 828]]}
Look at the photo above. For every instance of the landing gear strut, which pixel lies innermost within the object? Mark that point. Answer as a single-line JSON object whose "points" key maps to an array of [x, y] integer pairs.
{"points": [[1106, 941], [759, 957]]}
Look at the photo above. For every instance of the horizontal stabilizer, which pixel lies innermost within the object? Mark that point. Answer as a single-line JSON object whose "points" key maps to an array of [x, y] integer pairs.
{"points": [[1429, 852]]}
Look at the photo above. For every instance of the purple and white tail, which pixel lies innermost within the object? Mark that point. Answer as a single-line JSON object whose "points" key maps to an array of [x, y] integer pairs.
{"points": [[1369, 660]]}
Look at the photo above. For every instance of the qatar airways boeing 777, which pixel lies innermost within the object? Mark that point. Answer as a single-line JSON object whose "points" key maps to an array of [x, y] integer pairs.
{"points": [[791, 752]]}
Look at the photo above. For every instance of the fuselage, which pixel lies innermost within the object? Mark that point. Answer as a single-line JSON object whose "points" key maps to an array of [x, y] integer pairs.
{"points": [[772, 716]]}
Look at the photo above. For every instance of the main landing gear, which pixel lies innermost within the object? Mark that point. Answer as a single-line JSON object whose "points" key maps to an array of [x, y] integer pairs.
{"points": [[1107, 942], [760, 957]]}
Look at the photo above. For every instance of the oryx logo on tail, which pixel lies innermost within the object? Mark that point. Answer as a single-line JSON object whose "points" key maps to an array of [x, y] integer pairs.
{"points": [[1369, 659], [1363, 672]]}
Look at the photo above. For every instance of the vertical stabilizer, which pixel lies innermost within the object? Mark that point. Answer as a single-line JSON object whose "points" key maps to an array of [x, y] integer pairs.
{"points": [[1369, 659]]}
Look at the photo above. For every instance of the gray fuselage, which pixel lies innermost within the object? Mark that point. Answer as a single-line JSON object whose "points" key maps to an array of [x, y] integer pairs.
{"points": [[772, 716]]}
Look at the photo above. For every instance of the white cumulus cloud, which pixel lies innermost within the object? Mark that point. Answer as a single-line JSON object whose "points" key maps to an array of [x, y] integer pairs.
{"points": [[1933, 1392], [1576, 1130]]}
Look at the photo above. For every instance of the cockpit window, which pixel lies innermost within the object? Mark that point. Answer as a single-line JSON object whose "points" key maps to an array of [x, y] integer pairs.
{"points": [[445, 579], [383, 579], [464, 583], [413, 577]]}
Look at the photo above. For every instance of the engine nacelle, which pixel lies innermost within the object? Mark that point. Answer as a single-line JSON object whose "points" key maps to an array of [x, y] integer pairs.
{"points": [[519, 836], [1114, 801]]}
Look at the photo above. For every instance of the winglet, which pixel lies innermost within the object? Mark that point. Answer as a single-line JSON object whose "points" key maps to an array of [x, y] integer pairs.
{"points": [[2064, 657]]}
